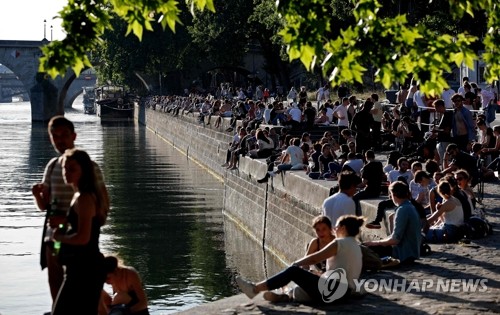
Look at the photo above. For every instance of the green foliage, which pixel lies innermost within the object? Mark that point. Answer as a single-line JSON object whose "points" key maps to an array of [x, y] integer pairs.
{"points": [[85, 22], [222, 37], [398, 38], [396, 48]]}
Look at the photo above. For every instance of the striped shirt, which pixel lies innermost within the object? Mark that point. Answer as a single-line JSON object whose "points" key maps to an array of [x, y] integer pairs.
{"points": [[53, 178]]}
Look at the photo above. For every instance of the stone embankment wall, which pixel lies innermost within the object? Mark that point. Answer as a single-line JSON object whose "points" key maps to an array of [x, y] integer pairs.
{"points": [[278, 214]]}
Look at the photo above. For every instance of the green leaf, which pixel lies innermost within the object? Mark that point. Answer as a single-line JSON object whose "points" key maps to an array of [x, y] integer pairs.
{"points": [[307, 55]]}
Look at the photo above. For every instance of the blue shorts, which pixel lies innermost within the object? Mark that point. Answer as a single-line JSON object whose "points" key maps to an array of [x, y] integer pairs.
{"points": [[446, 233]]}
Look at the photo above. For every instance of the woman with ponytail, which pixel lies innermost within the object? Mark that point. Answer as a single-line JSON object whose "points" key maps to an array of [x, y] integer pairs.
{"points": [[79, 239]]}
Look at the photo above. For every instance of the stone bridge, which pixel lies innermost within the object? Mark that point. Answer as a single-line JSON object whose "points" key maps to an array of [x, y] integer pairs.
{"points": [[48, 97]]}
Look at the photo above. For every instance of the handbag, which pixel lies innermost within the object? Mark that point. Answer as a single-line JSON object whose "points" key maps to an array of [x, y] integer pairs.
{"points": [[371, 261]]}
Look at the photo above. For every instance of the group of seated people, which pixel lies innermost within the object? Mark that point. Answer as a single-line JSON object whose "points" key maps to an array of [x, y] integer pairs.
{"points": [[430, 188], [428, 208]]}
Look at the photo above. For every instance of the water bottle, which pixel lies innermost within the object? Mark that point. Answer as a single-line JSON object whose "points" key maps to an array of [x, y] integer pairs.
{"points": [[57, 244], [54, 212]]}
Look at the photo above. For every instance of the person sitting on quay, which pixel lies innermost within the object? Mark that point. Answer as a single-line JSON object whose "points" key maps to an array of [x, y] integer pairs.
{"points": [[224, 111], [128, 296], [460, 160], [421, 191], [341, 203], [242, 149], [450, 214], [314, 159], [343, 252], [322, 120], [233, 145], [293, 117], [327, 165], [403, 245], [265, 145], [354, 162], [292, 158], [324, 235], [310, 114], [372, 176]]}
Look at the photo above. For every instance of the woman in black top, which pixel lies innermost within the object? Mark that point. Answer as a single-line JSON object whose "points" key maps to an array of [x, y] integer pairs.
{"points": [[84, 273]]}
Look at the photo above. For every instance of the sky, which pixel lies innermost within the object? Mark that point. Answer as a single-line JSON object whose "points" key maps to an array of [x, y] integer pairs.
{"points": [[23, 19]]}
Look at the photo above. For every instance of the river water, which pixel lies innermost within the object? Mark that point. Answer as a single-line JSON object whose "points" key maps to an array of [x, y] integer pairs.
{"points": [[166, 216]]}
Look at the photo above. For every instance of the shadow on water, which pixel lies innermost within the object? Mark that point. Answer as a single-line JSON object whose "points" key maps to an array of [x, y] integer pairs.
{"points": [[166, 220]]}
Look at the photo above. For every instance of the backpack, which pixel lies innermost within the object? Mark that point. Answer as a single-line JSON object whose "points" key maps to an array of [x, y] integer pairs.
{"points": [[371, 261], [476, 228]]}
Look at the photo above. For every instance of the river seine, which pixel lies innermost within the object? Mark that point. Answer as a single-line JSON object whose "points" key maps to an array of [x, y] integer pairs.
{"points": [[166, 216]]}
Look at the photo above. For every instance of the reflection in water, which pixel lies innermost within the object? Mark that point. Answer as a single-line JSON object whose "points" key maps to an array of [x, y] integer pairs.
{"points": [[166, 218]]}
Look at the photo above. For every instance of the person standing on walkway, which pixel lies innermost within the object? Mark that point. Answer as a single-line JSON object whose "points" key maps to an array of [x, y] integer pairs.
{"points": [[463, 126], [361, 123], [84, 272], [53, 190]]}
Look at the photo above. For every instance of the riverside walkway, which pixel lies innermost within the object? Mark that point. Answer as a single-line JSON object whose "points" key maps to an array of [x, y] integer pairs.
{"points": [[475, 262]]}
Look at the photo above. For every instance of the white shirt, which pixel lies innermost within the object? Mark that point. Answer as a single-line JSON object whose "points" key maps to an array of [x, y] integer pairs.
{"points": [[267, 115], [394, 174], [296, 114], [321, 94], [446, 96], [337, 205], [329, 114], [356, 165], [486, 97], [349, 257], [380, 112], [341, 110], [296, 155], [418, 98]]}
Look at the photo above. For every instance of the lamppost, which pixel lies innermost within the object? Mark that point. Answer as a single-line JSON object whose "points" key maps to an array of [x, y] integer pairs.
{"points": [[51, 33], [44, 29]]}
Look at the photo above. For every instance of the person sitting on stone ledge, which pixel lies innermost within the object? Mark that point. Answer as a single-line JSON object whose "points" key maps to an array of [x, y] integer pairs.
{"points": [[313, 167], [343, 252], [322, 120], [324, 235], [242, 149], [233, 145], [265, 146], [347, 136], [354, 162], [293, 158], [341, 203], [403, 245], [224, 111], [372, 176], [325, 159], [293, 117], [449, 217], [401, 173]]}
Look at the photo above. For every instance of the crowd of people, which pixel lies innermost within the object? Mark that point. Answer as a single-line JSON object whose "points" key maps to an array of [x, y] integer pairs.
{"points": [[440, 149]]}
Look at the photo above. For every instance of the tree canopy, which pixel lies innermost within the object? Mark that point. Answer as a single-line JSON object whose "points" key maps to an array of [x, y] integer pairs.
{"points": [[341, 37]]}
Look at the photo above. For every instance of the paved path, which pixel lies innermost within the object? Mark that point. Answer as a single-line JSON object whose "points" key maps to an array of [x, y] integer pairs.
{"points": [[478, 261]]}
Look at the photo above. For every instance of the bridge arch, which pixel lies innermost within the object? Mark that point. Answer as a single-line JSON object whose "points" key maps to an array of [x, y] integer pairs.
{"points": [[22, 58]]}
